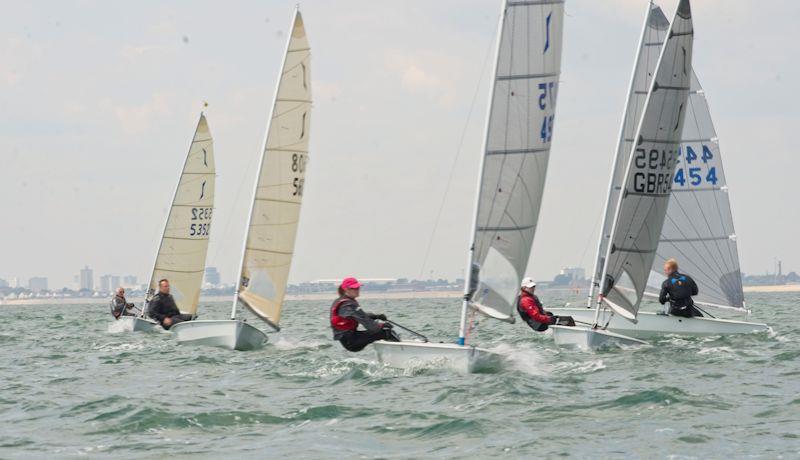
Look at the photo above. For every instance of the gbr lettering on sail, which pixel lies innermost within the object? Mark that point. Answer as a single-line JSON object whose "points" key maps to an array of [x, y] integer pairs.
{"points": [[653, 170]]}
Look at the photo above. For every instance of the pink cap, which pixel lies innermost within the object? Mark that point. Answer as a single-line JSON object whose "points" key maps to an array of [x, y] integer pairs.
{"points": [[350, 283]]}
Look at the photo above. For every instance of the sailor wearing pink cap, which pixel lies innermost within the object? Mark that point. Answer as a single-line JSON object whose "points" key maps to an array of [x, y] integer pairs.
{"points": [[346, 315]]}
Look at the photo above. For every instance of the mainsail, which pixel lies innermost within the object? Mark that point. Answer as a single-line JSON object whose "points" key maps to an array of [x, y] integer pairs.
{"points": [[517, 147], [654, 32], [275, 211], [649, 173], [182, 252], [698, 230]]}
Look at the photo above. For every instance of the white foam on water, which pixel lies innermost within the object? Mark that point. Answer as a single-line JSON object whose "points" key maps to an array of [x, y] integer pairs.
{"points": [[526, 360], [284, 343]]}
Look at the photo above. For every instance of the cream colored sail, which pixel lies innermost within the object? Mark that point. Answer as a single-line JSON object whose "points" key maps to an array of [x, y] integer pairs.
{"points": [[272, 229], [182, 253]]}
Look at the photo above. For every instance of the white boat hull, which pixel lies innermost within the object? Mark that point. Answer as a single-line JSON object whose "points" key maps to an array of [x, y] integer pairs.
{"points": [[464, 359], [135, 324], [652, 324], [230, 334], [586, 338]]}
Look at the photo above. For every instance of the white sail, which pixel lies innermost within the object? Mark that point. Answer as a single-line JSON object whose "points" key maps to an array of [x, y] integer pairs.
{"points": [[182, 252], [654, 32], [517, 148], [698, 230], [646, 189], [275, 212]]}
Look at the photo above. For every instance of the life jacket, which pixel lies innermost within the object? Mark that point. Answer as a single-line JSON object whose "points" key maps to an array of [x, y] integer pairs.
{"points": [[526, 317], [341, 323], [680, 294]]}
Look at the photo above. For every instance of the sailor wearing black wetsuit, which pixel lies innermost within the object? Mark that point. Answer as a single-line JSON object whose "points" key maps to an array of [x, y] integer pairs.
{"points": [[677, 291], [163, 309], [346, 315]]}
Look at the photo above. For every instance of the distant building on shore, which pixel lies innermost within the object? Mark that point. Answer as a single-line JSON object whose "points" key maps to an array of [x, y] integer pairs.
{"points": [[129, 281], [37, 284], [87, 279], [212, 276]]}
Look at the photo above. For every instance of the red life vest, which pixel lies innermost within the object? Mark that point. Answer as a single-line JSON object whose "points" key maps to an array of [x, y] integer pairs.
{"points": [[341, 323]]}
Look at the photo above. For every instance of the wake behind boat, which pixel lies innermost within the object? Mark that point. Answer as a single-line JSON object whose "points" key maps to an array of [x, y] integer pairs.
{"points": [[518, 135], [274, 212]]}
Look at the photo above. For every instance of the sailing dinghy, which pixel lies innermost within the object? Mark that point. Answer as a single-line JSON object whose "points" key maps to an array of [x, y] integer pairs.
{"points": [[516, 149], [274, 212], [698, 229], [644, 188], [181, 256]]}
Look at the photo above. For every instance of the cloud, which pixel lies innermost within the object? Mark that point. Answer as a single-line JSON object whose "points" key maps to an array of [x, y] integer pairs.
{"points": [[139, 118], [424, 73], [16, 57]]}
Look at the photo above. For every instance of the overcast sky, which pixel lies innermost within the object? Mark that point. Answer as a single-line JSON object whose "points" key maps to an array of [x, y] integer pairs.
{"points": [[98, 102]]}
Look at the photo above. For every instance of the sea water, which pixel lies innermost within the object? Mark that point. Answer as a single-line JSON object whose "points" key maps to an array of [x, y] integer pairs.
{"points": [[71, 386]]}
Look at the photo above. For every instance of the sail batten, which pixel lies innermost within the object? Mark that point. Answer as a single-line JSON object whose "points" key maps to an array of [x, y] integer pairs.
{"points": [[275, 212], [182, 252], [516, 150]]}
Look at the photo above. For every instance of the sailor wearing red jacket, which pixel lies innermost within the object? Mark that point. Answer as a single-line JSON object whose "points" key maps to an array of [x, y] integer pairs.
{"points": [[530, 309], [347, 315]]}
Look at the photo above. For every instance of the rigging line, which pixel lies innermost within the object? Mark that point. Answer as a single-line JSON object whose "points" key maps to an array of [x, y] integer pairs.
{"points": [[457, 155]]}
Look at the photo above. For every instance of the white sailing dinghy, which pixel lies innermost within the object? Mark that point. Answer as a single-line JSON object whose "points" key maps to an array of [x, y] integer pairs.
{"points": [[514, 161], [644, 187], [275, 209], [181, 256], [698, 229]]}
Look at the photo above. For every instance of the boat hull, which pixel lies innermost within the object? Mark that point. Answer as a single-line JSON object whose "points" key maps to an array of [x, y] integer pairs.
{"points": [[464, 359], [230, 334], [135, 324], [586, 338], [652, 324]]}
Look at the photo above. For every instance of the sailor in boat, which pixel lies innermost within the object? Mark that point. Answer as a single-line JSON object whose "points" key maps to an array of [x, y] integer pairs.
{"points": [[120, 306], [163, 309], [530, 309], [677, 291], [346, 315]]}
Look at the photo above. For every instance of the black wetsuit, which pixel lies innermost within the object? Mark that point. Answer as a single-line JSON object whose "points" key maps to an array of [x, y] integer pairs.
{"points": [[163, 306], [354, 340], [678, 290]]}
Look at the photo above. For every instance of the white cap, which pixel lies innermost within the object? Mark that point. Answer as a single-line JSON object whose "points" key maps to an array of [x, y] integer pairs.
{"points": [[528, 283]]}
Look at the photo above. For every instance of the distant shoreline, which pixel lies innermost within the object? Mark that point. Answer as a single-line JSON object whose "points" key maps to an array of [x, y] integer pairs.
{"points": [[331, 295]]}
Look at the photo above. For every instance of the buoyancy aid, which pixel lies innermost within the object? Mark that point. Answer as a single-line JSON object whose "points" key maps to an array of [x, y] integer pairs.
{"points": [[341, 323]]}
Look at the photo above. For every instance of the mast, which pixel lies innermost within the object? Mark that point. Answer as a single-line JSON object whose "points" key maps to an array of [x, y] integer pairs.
{"points": [[595, 282], [683, 18], [462, 328], [260, 167], [149, 293]]}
